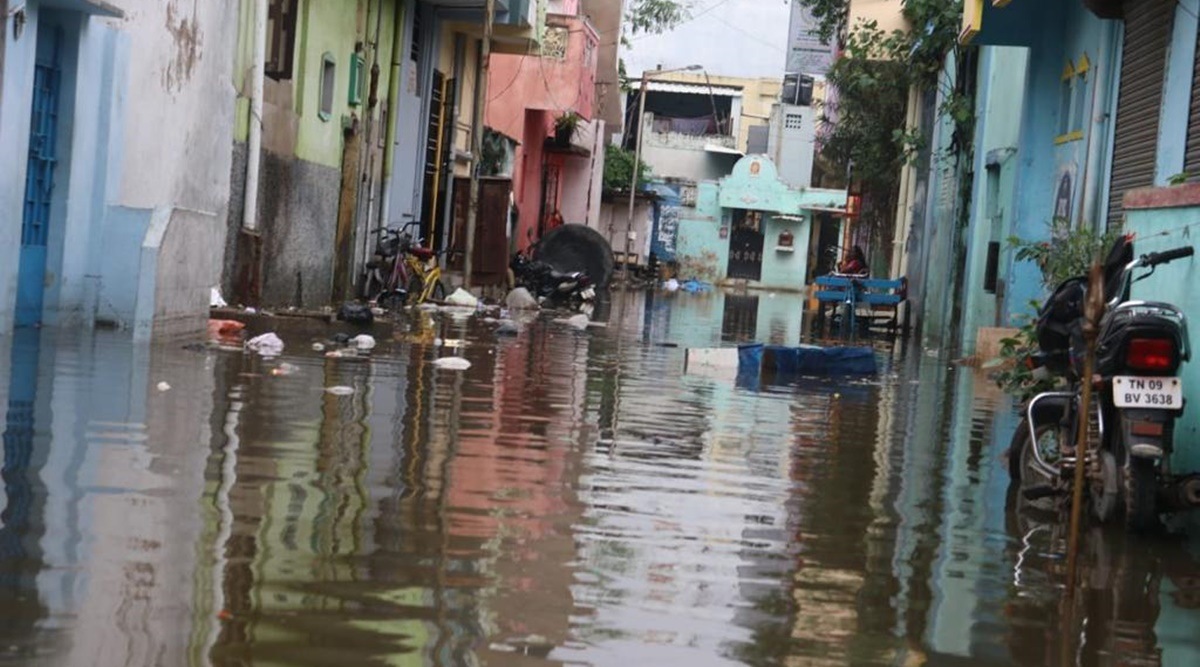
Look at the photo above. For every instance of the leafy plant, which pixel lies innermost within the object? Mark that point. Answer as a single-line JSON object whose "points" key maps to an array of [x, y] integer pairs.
{"points": [[652, 17], [567, 122], [1069, 253], [618, 169]]}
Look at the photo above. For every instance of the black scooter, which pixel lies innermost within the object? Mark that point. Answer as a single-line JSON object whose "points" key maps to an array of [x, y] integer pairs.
{"points": [[1137, 397]]}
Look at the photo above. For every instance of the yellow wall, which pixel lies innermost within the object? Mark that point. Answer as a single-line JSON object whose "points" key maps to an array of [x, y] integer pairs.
{"points": [[887, 13]]}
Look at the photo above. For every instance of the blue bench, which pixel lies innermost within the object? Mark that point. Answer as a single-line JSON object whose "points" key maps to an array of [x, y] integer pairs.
{"points": [[879, 297]]}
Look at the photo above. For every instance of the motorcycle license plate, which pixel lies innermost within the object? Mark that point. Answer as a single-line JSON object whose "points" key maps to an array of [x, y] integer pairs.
{"points": [[1163, 393], [589, 294]]}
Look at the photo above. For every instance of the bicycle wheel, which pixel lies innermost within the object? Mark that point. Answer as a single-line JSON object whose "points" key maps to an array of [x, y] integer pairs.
{"points": [[416, 291]]}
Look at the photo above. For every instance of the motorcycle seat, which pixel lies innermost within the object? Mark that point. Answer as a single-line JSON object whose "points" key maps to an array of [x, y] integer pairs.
{"points": [[421, 253]]}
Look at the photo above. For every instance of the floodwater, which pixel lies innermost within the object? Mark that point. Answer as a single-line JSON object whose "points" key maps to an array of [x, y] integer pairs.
{"points": [[573, 498]]}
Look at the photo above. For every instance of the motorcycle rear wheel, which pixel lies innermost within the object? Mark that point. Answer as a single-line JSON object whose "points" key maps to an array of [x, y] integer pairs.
{"points": [[1141, 496]]}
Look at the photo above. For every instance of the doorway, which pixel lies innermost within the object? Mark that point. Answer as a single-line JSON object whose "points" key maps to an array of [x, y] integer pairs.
{"points": [[746, 246], [39, 179]]}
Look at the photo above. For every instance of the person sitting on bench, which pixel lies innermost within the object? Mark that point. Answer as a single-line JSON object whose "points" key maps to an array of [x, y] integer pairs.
{"points": [[855, 263]]}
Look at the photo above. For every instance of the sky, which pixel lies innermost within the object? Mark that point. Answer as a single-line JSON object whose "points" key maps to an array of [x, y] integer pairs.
{"points": [[728, 37]]}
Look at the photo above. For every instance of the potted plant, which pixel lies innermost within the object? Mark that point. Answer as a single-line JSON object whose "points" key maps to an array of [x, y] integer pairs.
{"points": [[564, 128]]}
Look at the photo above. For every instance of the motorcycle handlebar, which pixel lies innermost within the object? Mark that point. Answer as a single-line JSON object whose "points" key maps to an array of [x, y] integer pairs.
{"points": [[1156, 258]]}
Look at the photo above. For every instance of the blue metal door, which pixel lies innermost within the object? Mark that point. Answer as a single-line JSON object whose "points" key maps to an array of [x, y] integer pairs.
{"points": [[39, 185]]}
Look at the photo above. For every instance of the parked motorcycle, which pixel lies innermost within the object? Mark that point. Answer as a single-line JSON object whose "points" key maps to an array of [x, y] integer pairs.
{"points": [[1137, 397], [549, 285]]}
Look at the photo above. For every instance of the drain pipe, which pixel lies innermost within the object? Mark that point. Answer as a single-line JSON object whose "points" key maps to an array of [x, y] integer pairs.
{"points": [[254, 151], [389, 150]]}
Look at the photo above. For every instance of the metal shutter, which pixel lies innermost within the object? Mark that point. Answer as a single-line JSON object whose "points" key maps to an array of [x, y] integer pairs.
{"points": [[1191, 161], [1143, 66]]}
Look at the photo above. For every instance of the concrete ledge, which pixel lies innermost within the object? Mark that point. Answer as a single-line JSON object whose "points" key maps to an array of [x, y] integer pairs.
{"points": [[1178, 196]]}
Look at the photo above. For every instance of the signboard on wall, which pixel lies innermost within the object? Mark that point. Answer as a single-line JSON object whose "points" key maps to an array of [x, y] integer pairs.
{"points": [[666, 222], [805, 51]]}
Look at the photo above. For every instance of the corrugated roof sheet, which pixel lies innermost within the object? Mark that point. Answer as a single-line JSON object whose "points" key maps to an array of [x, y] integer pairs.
{"points": [[692, 89]]}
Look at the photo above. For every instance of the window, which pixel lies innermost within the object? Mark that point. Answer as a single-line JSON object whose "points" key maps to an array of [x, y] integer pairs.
{"points": [[1073, 101], [1065, 96], [328, 79], [1079, 114], [792, 121], [357, 64], [281, 39]]}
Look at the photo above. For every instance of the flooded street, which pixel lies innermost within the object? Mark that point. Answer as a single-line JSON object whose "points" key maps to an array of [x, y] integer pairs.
{"points": [[572, 498]]}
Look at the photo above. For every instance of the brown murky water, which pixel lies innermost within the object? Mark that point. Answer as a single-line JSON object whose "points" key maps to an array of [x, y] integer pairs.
{"points": [[573, 498]]}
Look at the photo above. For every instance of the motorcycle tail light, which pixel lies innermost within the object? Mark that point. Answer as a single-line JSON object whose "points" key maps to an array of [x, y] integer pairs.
{"points": [[1150, 354]]}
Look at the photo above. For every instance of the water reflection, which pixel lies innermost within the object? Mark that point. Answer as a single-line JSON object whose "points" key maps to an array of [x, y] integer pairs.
{"points": [[572, 498]]}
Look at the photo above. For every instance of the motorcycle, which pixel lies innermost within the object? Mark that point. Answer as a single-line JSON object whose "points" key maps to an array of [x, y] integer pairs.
{"points": [[547, 284], [1138, 395]]}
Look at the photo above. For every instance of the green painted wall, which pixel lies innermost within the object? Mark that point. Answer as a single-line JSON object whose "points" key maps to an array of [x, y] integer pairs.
{"points": [[1162, 229], [321, 28], [754, 185]]}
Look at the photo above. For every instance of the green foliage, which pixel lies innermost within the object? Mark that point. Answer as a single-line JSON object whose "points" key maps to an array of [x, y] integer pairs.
{"points": [[1014, 375], [653, 17], [618, 169], [1179, 179], [568, 121], [1069, 253], [866, 129]]}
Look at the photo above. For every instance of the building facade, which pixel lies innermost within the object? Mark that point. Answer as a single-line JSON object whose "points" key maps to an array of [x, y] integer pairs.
{"points": [[104, 216]]}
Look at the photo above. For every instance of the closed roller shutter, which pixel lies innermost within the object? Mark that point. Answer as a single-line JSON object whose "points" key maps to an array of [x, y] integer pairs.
{"points": [[1191, 161], [1143, 67]]}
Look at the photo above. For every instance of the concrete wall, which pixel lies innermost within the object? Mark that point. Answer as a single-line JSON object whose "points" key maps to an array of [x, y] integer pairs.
{"points": [[124, 81], [1159, 229], [997, 132], [605, 16], [1067, 32], [886, 13], [759, 94], [301, 173], [754, 184]]}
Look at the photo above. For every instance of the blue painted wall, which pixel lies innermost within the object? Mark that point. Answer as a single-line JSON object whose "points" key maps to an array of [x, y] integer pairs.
{"points": [[753, 185], [999, 100], [1064, 32], [15, 106], [1163, 229]]}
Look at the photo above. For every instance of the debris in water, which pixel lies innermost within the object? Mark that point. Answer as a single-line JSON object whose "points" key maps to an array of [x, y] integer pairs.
{"points": [[462, 297], [163, 386], [285, 369], [318, 347], [579, 322], [268, 345], [508, 328], [671, 285], [363, 342], [339, 390], [452, 364], [520, 299]]}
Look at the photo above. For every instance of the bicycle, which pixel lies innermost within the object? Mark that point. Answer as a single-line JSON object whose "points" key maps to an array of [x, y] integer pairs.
{"points": [[424, 275]]}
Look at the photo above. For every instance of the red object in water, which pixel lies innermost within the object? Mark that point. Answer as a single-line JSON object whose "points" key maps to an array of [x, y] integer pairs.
{"points": [[225, 330]]}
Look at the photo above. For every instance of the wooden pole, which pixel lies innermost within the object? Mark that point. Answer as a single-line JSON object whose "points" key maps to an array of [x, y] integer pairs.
{"points": [[1092, 312], [477, 122]]}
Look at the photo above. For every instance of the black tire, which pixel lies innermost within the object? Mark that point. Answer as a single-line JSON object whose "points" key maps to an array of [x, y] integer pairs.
{"points": [[1027, 474], [393, 301], [1141, 496]]}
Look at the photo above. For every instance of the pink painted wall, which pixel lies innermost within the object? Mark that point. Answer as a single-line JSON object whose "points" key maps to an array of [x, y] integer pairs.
{"points": [[526, 94]]}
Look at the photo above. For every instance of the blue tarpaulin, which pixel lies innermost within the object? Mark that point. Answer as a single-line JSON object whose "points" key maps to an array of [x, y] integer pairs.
{"points": [[806, 360]]}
